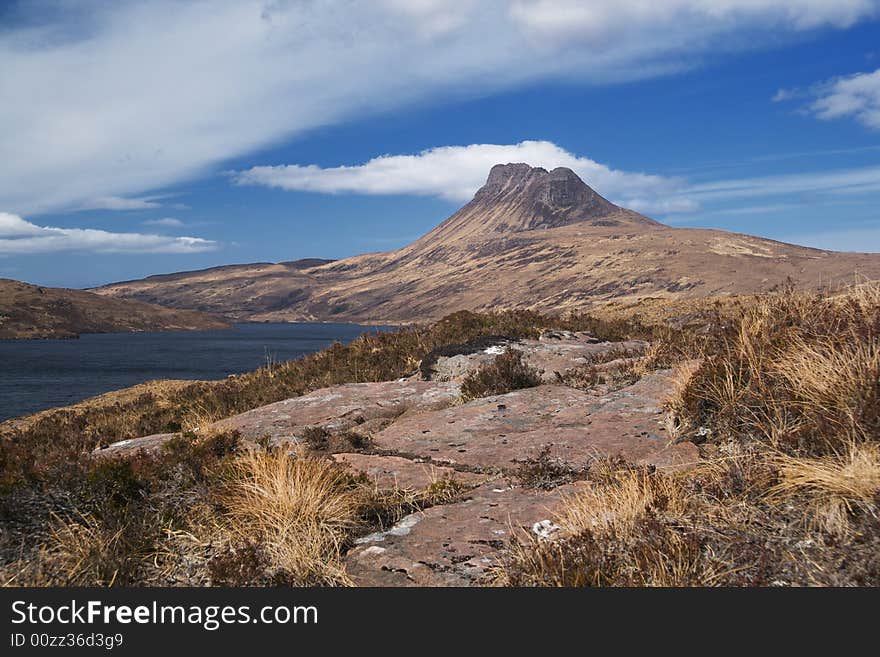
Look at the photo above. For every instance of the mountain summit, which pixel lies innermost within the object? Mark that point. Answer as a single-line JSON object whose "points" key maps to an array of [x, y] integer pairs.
{"points": [[519, 197], [530, 238], [549, 192]]}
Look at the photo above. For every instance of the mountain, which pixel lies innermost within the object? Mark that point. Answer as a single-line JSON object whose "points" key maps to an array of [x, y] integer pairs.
{"points": [[31, 311], [530, 238]]}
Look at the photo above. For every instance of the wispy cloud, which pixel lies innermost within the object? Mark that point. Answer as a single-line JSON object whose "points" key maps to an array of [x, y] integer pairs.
{"points": [[834, 182], [167, 222], [119, 203], [18, 236], [852, 96], [128, 97]]}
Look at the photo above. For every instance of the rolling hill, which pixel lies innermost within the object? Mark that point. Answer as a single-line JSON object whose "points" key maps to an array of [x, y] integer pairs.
{"points": [[31, 311], [530, 238]]}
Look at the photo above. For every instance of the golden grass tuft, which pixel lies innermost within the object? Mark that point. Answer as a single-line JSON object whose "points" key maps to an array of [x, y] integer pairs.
{"points": [[797, 371], [301, 510], [616, 506], [833, 487]]}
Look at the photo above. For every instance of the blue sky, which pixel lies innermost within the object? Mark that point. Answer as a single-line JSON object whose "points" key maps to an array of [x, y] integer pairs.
{"points": [[140, 138]]}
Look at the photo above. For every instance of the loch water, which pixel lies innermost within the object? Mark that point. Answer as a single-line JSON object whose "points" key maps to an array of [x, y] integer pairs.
{"points": [[40, 374]]}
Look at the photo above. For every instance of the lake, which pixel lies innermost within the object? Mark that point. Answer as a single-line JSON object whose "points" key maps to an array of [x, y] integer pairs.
{"points": [[40, 374]]}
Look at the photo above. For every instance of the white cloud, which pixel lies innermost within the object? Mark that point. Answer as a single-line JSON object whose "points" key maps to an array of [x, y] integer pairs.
{"points": [[835, 182], [18, 236], [168, 222], [456, 172], [119, 203], [127, 97], [604, 24], [856, 96], [783, 95]]}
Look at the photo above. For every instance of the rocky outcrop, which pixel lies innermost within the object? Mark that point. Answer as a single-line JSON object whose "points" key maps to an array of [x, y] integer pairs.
{"points": [[454, 544], [553, 355], [419, 437], [365, 406], [397, 472], [499, 432]]}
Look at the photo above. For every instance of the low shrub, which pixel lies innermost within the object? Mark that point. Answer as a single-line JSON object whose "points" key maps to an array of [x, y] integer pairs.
{"points": [[505, 373]]}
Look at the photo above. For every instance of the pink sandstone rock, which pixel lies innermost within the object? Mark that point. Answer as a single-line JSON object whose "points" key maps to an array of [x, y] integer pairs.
{"points": [[337, 408], [340, 408], [390, 472], [548, 356], [576, 427], [455, 544]]}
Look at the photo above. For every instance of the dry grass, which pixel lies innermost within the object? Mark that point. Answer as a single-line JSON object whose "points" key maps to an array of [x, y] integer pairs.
{"points": [[615, 507], [626, 528], [300, 510], [797, 371], [785, 401], [836, 487], [752, 517]]}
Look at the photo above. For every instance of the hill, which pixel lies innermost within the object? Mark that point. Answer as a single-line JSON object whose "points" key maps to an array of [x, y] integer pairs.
{"points": [[529, 239], [31, 311]]}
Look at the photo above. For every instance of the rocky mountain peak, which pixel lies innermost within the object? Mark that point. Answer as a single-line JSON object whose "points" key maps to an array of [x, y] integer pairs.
{"points": [[559, 188], [502, 174], [533, 197]]}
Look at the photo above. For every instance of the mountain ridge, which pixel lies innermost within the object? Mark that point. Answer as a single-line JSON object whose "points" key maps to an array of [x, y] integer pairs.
{"points": [[529, 238], [32, 311]]}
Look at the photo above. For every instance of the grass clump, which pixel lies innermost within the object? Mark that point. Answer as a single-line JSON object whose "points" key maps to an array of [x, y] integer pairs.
{"points": [[300, 510], [800, 372], [505, 373], [107, 521]]}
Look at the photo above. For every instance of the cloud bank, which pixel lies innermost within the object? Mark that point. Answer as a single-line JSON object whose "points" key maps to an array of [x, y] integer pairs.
{"points": [[456, 172], [18, 236], [121, 98]]}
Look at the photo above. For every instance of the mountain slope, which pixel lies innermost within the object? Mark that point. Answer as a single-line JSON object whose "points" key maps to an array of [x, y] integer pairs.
{"points": [[529, 239], [30, 311]]}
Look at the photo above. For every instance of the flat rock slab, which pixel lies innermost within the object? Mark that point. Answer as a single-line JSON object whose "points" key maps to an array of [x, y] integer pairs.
{"points": [[576, 427], [455, 544], [395, 472], [339, 408], [548, 356], [144, 444]]}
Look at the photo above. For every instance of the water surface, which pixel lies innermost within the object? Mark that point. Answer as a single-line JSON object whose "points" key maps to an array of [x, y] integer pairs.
{"points": [[40, 374]]}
